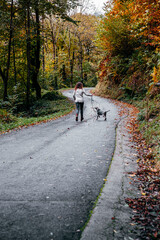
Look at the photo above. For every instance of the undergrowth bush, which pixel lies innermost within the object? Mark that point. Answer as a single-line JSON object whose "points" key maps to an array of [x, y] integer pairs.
{"points": [[6, 117], [52, 96], [53, 104], [149, 123]]}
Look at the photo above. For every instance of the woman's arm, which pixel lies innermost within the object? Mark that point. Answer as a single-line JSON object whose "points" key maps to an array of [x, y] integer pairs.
{"points": [[89, 95], [74, 95]]}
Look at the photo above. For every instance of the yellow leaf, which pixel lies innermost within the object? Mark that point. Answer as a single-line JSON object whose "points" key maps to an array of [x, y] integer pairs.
{"points": [[143, 193], [132, 224]]}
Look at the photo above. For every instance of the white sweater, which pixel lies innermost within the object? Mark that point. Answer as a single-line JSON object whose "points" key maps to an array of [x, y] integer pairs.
{"points": [[78, 95]]}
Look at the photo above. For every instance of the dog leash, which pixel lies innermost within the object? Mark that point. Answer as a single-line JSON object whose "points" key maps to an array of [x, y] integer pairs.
{"points": [[92, 103]]}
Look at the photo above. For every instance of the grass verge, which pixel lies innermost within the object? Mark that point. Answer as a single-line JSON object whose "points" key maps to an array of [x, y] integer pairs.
{"points": [[149, 125], [48, 108]]}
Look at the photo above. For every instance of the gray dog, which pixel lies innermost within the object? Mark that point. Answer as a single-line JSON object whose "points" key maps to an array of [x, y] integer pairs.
{"points": [[101, 113]]}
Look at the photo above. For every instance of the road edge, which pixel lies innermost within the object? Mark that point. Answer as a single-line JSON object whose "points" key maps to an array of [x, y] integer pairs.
{"points": [[111, 217]]}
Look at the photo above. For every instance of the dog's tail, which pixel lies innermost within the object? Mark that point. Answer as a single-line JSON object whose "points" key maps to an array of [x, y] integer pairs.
{"points": [[106, 111]]}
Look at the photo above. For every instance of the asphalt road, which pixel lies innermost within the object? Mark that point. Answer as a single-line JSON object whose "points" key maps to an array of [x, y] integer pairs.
{"points": [[52, 173]]}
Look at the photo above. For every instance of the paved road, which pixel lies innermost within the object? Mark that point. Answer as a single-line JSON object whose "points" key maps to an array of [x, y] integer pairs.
{"points": [[51, 174]]}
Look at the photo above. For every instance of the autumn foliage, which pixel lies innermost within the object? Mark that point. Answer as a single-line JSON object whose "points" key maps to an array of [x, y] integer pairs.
{"points": [[129, 35], [146, 207], [145, 20]]}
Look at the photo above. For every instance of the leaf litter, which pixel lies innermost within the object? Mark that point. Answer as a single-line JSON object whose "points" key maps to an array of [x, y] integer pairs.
{"points": [[146, 207]]}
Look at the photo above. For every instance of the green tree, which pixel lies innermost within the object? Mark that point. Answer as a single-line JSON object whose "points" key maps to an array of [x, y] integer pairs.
{"points": [[21, 57], [9, 22]]}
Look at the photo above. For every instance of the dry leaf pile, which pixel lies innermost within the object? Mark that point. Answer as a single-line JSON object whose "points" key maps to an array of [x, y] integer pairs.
{"points": [[146, 208]]}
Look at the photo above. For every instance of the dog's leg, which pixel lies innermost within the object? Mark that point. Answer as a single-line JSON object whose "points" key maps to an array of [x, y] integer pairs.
{"points": [[105, 116]]}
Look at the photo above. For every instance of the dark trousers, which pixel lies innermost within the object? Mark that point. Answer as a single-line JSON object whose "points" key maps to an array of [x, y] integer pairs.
{"points": [[79, 108]]}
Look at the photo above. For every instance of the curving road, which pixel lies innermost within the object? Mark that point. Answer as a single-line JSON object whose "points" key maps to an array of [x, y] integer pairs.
{"points": [[52, 173]]}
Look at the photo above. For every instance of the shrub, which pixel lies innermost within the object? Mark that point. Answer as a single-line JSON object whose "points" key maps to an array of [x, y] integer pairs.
{"points": [[6, 117], [52, 96]]}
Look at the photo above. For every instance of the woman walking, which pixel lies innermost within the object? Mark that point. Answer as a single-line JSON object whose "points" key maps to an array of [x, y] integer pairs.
{"points": [[79, 100]]}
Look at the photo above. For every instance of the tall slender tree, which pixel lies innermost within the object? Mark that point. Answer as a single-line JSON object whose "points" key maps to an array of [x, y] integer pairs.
{"points": [[5, 72], [28, 39]]}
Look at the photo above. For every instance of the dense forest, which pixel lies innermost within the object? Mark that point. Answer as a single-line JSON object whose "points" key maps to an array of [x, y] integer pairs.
{"points": [[45, 45]]}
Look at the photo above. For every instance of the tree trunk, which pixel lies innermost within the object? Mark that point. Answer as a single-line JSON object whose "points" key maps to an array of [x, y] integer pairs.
{"points": [[55, 52], [71, 61], [28, 55], [64, 77], [81, 61], [85, 77], [71, 67], [5, 96], [43, 52], [37, 54], [55, 57], [55, 83], [54, 47], [6, 76], [14, 62]]}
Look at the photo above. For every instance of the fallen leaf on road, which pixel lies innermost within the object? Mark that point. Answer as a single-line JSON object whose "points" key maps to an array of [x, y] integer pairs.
{"points": [[132, 224], [132, 175]]}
